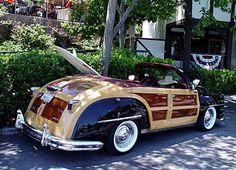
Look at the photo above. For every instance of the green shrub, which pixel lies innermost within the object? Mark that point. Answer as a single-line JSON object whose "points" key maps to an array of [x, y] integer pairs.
{"points": [[10, 46], [21, 71], [32, 37], [3, 10], [122, 63], [72, 29], [216, 81]]}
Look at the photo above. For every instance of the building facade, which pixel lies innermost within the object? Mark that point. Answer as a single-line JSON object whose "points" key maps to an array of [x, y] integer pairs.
{"points": [[215, 49]]}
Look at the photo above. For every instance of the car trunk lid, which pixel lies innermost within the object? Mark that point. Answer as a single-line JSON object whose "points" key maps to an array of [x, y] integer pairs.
{"points": [[77, 62]]}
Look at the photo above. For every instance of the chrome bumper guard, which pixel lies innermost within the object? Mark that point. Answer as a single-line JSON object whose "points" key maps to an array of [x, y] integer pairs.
{"points": [[47, 139]]}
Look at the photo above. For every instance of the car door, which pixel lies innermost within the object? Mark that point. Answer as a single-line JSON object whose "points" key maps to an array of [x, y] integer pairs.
{"points": [[170, 105], [184, 102], [184, 107], [158, 101]]}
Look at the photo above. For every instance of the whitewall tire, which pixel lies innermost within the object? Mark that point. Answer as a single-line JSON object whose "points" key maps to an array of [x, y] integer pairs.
{"points": [[207, 120], [122, 137]]}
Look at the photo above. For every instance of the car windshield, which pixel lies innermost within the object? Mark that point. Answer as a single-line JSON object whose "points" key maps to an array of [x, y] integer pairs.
{"points": [[160, 77], [160, 74]]}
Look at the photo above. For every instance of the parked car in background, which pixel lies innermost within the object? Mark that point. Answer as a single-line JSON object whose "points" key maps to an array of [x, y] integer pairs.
{"points": [[87, 112]]}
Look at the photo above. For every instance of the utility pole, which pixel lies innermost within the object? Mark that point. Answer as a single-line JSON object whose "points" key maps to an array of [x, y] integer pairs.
{"points": [[15, 1], [187, 35], [46, 8]]}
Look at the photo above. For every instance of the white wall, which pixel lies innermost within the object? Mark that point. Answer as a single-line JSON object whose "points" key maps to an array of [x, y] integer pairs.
{"points": [[155, 30], [180, 12], [63, 14], [217, 12], [220, 15], [196, 8], [149, 29]]}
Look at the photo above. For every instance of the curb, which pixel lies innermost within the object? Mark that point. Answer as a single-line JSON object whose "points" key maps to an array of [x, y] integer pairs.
{"points": [[8, 131]]}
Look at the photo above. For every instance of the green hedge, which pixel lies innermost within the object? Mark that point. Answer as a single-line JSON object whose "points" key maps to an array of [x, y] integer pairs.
{"points": [[19, 72], [216, 81], [122, 62]]}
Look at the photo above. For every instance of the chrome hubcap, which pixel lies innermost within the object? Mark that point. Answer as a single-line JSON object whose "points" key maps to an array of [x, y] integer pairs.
{"points": [[210, 118], [125, 136]]}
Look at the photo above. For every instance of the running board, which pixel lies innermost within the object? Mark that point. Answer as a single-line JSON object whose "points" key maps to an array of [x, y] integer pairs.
{"points": [[144, 131]]}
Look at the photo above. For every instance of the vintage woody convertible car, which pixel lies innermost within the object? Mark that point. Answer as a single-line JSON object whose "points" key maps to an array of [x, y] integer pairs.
{"points": [[78, 113]]}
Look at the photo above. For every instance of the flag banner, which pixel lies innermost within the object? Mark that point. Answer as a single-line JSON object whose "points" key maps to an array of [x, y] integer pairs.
{"points": [[207, 61]]}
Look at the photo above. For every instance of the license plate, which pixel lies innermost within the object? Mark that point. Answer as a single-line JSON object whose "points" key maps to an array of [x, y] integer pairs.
{"points": [[47, 97]]}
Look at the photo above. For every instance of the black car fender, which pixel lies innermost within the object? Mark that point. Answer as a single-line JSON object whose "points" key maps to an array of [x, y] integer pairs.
{"points": [[216, 101], [98, 117]]}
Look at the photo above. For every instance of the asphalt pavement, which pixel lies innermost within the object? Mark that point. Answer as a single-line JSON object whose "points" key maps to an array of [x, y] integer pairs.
{"points": [[177, 149]]}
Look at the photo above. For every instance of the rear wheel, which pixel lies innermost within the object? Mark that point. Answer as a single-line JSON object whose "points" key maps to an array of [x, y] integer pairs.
{"points": [[207, 120], [122, 137]]}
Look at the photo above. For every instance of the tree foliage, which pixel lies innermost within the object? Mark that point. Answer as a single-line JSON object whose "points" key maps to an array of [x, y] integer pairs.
{"points": [[30, 37], [95, 14], [3, 10], [151, 10], [208, 19], [135, 12], [76, 11], [111, 30]]}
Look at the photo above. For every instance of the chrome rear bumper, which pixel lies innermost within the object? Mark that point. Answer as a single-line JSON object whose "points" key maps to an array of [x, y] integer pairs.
{"points": [[47, 139]]}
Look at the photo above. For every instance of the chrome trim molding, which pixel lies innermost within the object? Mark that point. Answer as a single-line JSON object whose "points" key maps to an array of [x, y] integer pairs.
{"points": [[72, 104], [214, 105], [47, 139], [222, 119], [120, 119], [143, 131]]}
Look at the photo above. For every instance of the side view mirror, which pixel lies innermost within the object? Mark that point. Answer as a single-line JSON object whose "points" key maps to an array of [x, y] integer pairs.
{"points": [[131, 77], [196, 82]]}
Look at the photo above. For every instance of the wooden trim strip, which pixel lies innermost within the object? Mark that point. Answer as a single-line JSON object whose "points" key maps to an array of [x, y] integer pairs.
{"points": [[174, 108], [159, 108], [185, 107]]}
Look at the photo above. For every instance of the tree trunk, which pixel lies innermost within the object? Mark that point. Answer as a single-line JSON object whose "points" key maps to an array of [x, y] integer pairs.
{"points": [[108, 35], [131, 32], [122, 29], [124, 17]]}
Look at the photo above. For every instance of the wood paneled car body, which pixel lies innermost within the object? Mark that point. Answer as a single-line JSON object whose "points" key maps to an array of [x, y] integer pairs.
{"points": [[86, 112]]}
